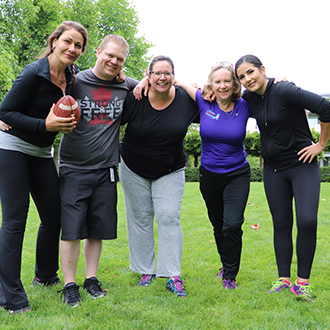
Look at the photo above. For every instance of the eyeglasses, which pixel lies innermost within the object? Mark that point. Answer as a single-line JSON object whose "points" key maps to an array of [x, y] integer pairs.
{"points": [[222, 64], [158, 74]]}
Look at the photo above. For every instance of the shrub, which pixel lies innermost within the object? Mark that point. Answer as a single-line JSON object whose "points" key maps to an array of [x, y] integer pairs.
{"points": [[325, 174], [192, 174], [256, 174]]}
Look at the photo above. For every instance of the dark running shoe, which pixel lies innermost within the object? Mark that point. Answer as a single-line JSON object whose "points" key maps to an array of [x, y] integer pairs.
{"points": [[93, 287], [36, 281], [175, 285], [20, 310], [146, 280], [229, 284], [71, 294]]}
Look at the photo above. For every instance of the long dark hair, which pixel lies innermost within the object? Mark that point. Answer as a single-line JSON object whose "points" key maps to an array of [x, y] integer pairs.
{"points": [[65, 26], [250, 59]]}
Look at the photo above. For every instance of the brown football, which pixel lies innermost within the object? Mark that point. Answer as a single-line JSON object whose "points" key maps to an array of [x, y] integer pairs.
{"points": [[67, 106]]}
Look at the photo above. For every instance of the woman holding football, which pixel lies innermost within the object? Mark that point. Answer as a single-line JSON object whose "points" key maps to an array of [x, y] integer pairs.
{"points": [[26, 163]]}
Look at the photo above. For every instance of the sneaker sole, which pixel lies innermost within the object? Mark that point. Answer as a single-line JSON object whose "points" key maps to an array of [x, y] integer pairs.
{"points": [[97, 297]]}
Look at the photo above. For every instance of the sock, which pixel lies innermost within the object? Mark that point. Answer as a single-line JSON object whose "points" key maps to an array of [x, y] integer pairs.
{"points": [[69, 284], [92, 278]]}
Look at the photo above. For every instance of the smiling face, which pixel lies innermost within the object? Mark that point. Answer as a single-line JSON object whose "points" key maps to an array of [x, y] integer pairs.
{"points": [[68, 46], [110, 60], [161, 77], [223, 84], [252, 78]]}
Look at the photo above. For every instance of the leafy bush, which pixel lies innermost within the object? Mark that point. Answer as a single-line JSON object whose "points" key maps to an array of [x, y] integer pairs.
{"points": [[192, 174], [256, 174], [325, 174]]}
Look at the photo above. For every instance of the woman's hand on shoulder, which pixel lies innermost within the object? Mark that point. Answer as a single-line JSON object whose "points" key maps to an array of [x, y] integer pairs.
{"points": [[279, 79], [142, 88], [120, 77], [59, 124], [208, 93]]}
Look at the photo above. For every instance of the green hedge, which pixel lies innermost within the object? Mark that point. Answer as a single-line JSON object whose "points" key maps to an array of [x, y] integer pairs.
{"points": [[192, 174], [325, 174]]}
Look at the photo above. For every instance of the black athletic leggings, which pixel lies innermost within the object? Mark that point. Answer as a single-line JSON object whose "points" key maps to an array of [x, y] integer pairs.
{"points": [[21, 174], [301, 182], [225, 197]]}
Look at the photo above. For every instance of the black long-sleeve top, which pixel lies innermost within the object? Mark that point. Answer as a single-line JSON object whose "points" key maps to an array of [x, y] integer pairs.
{"points": [[282, 121], [28, 103]]}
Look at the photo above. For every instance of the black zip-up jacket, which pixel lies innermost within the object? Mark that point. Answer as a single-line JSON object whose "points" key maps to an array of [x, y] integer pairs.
{"points": [[282, 121], [28, 103]]}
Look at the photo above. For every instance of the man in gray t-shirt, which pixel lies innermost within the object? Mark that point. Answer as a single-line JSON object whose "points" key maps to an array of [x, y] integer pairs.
{"points": [[88, 159]]}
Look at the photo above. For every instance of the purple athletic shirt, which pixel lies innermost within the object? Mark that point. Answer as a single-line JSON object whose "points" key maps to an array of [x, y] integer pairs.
{"points": [[222, 135]]}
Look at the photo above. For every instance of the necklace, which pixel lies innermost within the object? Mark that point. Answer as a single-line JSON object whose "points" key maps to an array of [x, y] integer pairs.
{"points": [[228, 113], [59, 81]]}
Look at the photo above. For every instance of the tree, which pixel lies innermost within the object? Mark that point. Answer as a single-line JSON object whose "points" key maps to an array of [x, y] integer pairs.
{"points": [[110, 17], [252, 145], [26, 24], [192, 143], [7, 74]]}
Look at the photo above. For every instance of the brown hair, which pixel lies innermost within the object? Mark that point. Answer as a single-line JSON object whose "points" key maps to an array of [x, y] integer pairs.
{"points": [[158, 59], [65, 26]]}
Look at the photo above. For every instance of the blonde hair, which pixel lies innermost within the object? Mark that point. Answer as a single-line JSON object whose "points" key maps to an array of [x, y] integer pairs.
{"points": [[237, 92], [117, 39]]}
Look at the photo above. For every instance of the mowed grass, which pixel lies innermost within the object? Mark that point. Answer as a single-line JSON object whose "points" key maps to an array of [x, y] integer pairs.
{"points": [[208, 305]]}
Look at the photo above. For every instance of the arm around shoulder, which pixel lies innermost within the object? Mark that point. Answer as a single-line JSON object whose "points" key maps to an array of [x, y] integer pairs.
{"points": [[190, 89]]}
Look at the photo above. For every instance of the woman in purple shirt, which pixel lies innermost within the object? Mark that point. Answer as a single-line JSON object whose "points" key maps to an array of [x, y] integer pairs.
{"points": [[224, 170]]}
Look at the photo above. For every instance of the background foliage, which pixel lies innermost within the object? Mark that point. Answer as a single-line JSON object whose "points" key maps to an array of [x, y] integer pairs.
{"points": [[26, 24]]}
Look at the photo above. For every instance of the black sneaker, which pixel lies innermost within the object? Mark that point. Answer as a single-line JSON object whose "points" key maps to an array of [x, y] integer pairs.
{"points": [[93, 287], [20, 310], [71, 294], [36, 281]]}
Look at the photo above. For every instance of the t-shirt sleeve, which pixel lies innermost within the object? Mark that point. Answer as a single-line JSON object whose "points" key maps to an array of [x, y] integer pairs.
{"points": [[128, 109], [131, 83]]}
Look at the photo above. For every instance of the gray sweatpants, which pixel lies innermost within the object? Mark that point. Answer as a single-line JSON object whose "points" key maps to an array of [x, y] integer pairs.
{"points": [[144, 200]]}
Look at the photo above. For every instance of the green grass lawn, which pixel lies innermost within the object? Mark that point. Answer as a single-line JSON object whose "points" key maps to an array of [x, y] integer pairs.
{"points": [[208, 305]]}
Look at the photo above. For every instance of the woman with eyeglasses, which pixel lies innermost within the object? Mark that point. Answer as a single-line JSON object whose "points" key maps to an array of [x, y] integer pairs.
{"points": [[291, 169], [152, 174], [224, 170]]}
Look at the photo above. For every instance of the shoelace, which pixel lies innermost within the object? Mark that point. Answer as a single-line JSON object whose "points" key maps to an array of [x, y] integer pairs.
{"points": [[229, 283], [145, 278], [178, 284], [94, 285], [306, 290], [72, 292], [278, 284]]}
